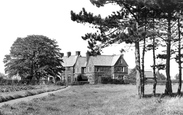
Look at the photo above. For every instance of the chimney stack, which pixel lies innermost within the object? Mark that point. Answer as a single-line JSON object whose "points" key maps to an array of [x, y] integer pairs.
{"points": [[62, 54], [78, 53], [68, 54]]}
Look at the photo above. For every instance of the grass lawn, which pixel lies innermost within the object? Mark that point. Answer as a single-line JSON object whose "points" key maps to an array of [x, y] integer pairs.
{"points": [[99, 100], [34, 88], [15, 92]]}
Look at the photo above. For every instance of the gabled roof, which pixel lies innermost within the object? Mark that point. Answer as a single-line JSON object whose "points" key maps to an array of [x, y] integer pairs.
{"points": [[105, 60], [69, 61], [81, 61]]}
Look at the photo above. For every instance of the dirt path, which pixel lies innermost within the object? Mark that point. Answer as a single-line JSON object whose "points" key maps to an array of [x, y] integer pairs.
{"points": [[29, 98]]}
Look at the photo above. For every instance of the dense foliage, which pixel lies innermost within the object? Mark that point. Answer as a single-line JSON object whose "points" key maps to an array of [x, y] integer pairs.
{"points": [[2, 75], [138, 22], [33, 57]]}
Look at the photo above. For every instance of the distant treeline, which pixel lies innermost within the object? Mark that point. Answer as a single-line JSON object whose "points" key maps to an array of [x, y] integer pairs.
{"points": [[150, 81]]}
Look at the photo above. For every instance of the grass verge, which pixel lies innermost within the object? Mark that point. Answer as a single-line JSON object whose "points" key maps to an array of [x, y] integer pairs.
{"points": [[98, 100]]}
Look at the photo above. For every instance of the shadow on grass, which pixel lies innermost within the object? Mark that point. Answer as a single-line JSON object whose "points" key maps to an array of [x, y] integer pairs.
{"points": [[162, 95]]}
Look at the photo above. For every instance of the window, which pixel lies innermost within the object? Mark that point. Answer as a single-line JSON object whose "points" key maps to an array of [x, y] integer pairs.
{"points": [[89, 69], [68, 68], [97, 69], [83, 70], [119, 69], [102, 69], [123, 69]]}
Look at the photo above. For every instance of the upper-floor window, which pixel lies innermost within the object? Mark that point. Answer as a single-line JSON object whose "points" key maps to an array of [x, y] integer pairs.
{"points": [[119, 69], [68, 68], [102, 69]]}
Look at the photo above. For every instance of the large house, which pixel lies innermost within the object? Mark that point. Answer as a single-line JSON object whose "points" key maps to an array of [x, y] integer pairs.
{"points": [[113, 66], [69, 62], [94, 67]]}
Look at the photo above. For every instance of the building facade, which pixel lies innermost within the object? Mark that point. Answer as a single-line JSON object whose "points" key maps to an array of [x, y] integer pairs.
{"points": [[68, 63], [94, 67], [102, 66]]}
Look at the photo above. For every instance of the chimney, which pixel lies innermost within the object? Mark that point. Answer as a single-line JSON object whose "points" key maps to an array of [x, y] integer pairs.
{"points": [[68, 54], [62, 54], [78, 53]]}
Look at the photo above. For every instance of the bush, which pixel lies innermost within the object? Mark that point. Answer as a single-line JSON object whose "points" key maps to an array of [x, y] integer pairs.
{"points": [[29, 93], [83, 82], [15, 82], [106, 80], [117, 81], [79, 82], [130, 81], [61, 83], [82, 77], [16, 96], [2, 99], [2, 75], [7, 98], [75, 83]]}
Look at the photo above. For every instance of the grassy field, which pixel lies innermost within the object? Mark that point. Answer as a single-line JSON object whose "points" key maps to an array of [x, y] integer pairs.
{"points": [[99, 100], [11, 92]]}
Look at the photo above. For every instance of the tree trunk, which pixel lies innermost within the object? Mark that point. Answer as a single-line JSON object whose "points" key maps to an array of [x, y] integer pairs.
{"points": [[31, 76], [138, 74], [154, 70], [179, 61], [143, 56], [168, 87], [143, 68], [154, 63]]}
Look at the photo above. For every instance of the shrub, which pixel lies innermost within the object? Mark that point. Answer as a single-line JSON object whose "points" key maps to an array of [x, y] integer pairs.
{"points": [[75, 83], [117, 81], [22, 82], [15, 82], [82, 77], [29, 93], [40, 91], [2, 75], [83, 82], [17, 96], [106, 80], [130, 81], [2, 99], [61, 83], [7, 98], [79, 82]]}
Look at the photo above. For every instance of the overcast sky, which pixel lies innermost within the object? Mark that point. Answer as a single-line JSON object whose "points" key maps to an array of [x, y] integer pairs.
{"points": [[51, 18]]}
